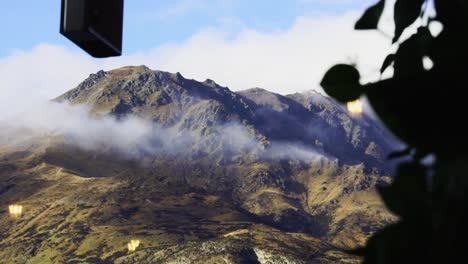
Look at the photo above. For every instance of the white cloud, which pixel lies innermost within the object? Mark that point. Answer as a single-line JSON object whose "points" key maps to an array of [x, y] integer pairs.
{"points": [[37, 75], [282, 61], [285, 62], [133, 137]]}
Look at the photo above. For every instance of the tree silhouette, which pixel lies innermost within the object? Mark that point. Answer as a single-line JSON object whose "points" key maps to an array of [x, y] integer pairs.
{"points": [[423, 107]]}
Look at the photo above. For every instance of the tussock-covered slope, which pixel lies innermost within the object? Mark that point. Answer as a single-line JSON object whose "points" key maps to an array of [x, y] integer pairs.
{"points": [[224, 177]]}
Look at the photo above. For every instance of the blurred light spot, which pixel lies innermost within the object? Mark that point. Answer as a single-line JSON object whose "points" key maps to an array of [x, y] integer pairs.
{"points": [[15, 210], [133, 245], [436, 28], [427, 63], [355, 107]]}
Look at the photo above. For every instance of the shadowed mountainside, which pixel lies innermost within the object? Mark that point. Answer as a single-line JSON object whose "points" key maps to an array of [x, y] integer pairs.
{"points": [[262, 177]]}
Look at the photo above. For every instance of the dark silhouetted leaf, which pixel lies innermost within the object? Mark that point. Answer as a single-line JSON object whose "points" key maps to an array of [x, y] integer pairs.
{"points": [[452, 13], [416, 105], [363, 251], [370, 18], [448, 51], [407, 196], [392, 200], [409, 57], [386, 100], [342, 83], [406, 12], [387, 62], [400, 243]]}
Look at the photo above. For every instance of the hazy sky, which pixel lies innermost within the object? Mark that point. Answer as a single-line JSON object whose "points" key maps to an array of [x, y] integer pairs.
{"points": [[281, 45]]}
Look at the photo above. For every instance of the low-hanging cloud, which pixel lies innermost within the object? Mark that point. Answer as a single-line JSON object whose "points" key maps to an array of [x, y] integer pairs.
{"points": [[76, 124], [134, 137], [283, 61]]}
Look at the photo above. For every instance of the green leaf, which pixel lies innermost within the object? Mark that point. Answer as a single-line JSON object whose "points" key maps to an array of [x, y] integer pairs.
{"points": [[406, 12], [387, 62], [370, 18], [342, 83]]}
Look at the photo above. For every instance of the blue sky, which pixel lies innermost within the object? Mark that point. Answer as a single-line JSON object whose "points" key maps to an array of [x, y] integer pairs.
{"points": [[284, 46], [151, 23]]}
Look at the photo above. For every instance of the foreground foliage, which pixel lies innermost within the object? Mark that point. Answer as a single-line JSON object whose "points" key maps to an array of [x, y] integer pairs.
{"points": [[423, 108]]}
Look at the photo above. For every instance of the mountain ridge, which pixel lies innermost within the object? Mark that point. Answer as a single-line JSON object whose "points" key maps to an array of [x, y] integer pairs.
{"points": [[164, 98], [255, 177]]}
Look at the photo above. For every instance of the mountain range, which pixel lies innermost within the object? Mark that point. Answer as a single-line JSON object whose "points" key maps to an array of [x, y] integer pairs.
{"points": [[213, 176]]}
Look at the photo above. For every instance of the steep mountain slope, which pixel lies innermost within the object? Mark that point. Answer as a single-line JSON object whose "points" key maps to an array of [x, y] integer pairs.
{"points": [[246, 177], [171, 100]]}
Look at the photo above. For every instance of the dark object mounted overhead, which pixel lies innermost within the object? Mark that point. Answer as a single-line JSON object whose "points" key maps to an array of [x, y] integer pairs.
{"points": [[94, 25]]}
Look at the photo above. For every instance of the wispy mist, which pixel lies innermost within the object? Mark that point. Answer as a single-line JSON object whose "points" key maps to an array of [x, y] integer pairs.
{"points": [[133, 136]]}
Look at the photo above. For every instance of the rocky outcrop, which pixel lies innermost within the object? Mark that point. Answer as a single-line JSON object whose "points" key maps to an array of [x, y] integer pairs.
{"points": [[264, 178]]}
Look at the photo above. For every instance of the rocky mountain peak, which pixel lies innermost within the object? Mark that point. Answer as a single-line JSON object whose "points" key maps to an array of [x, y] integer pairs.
{"points": [[169, 99], [250, 176]]}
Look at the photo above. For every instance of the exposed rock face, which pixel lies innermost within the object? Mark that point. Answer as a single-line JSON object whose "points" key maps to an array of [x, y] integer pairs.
{"points": [[259, 244], [296, 188], [173, 101]]}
